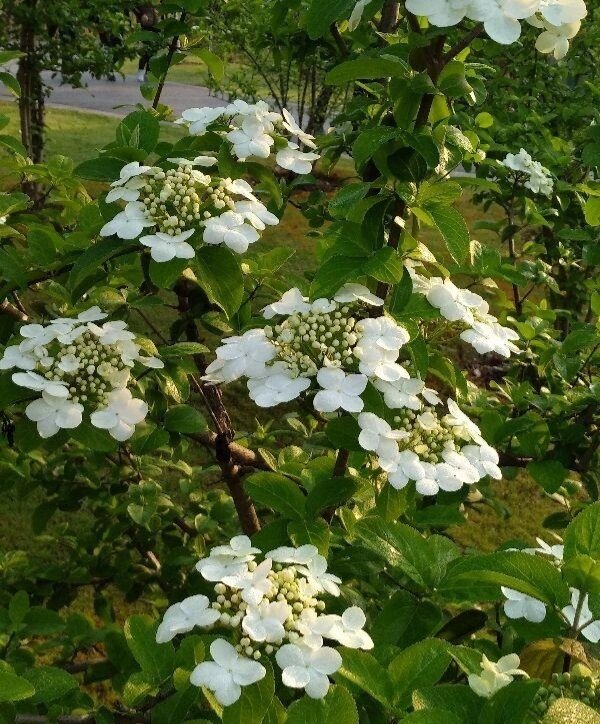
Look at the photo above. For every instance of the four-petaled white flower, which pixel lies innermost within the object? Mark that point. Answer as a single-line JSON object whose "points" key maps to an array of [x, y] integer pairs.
{"points": [[264, 622], [520, 605], [308, 668], [13, 356], [227, 673], [276, 386], [315, 571], [484, 459], [230, 229], [183, 617], [291, 302], [589, 627], [347, 629], [289, 123], [52, 414], [241, 355], [34, 381], [164, 247], [253, 584], [351, 292], [463, 425], [377, 436], [495, 675], [287, 554], [293, 159], [340, 391], [129, 223], [491, 337], [121, 415]]}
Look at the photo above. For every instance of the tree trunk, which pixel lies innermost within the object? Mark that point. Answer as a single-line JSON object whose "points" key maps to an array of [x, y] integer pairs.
{"points": [[31, 100], [318, 112]]}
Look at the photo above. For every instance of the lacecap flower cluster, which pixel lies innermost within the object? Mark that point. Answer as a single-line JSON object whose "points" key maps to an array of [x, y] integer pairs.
{"points": [[335, 348], [269, 608], [79, 366], [559, 20]]}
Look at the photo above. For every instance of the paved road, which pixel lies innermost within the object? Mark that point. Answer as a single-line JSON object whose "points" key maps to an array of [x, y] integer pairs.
{"points": [[117, 98]]}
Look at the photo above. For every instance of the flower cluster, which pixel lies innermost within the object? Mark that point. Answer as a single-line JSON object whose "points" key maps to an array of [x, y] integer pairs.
{"points": [[559, 20], [330, 343], [270, 608], [539, 180], [520, 605], [79, 366], [436, 452], [577, 684], [333, 347], [484, 333], [255, 131], [175, 203]]}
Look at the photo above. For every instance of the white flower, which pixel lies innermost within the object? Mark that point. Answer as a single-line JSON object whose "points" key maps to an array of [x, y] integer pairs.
{"points": [[276, 385], [520, 605], [383, 334], [227, 560], [339, 391], [347, 629], [377, 436], [198, 119], [183, 617], [250, 142], [36, 382], [93, 314], [291, 302], [292, 159], [455, 304], [164, 247], [240, 546], [559, 12], [240, 356], [540, 181], [484, 459], [265, 621], [227, 673], [54, 413], [403, 393], [14, 357], [230, 229], [491, 337], [357, 292], [287, 554], [121, 415], [495, 675], [253, 584], [130, 171], [518, 162], [289, 123], [256, 213], [557, 551], [411, 467], [129, 223], [591, 631], [308, 668], [130, 192], [198, 161], [357, 13], [463, 426], [316, 574]]}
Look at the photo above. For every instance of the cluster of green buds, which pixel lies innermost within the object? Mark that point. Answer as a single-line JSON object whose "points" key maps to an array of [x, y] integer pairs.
{"points": [[305, 339], [178, 197], [428, 435], [578, 685]]}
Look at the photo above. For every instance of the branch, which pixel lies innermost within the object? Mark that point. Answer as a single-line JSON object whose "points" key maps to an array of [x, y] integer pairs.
{"points": [[170, 54], [10, 310], [339, 41], [463, 43]]}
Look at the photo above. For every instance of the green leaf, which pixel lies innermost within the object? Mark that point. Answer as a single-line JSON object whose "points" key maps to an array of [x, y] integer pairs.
{"points": [[342, 432], [591, 210], [50, 683], [385, 265], [432, 717], [453, 229], [216, 67], [367, 69], [93, 258], [182, 349], [18, 607], [368, 142], [219, 274], [334, 273], [367, 673], [254, 702], [511, 704], [337, 707], [320, 15], [425, 560], [42, 621], [461, 700], [13, 687], [550, 474], [316, 532], [139, 129], [582, 536], [186, 419], [11, 83], [479, 577], [174, 709], [346, 198], [105, 168], [329, 494], [276, 492], [155, 660], [421, 664]]}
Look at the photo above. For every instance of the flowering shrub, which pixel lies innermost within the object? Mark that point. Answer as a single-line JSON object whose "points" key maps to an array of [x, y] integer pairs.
{"points": [[355, 585]]}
